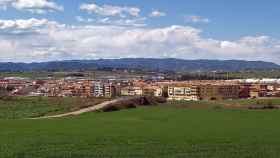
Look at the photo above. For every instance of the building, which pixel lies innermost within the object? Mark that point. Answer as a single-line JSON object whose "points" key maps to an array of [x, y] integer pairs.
{"points": [[131, 91], [219, 91], [85, 89], [244, 91], [258, 90], [4, 83], [183, 92], [111, 90], [152, 91], [158, 92], [98, 89]]}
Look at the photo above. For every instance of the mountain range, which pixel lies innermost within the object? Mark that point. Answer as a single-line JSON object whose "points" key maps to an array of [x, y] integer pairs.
{"points": [[169, 64]]}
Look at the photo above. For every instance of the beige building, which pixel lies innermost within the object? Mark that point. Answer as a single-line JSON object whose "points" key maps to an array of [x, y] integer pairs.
{"points": [[183, 92], [219, 92], [111, 90], [153, 91], [131, 91]]}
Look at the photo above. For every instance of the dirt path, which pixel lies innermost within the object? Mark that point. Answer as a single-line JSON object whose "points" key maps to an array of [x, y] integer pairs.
{"points": [[85, 110]]}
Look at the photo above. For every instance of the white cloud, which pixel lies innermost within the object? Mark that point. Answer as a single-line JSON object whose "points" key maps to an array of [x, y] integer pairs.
{"points": [[52, 42], [196, 19], [112, 15], [4, 4], [137, 21], [82, 19], [157, 13], [109, 10], [29, 25], [34, 6]]}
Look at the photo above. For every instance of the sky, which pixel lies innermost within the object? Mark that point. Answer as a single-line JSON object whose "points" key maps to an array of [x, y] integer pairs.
{"points": [[50, 30]]}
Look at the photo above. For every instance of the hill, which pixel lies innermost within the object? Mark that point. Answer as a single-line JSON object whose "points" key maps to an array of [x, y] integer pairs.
{"points": [[143, 64]]}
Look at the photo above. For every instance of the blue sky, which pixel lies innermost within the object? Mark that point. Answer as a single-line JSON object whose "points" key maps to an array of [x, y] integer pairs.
{"points": [[189, 29], [228, 19]]}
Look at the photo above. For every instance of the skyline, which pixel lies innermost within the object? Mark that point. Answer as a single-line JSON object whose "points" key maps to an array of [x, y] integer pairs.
{"points": [[46, 30]]}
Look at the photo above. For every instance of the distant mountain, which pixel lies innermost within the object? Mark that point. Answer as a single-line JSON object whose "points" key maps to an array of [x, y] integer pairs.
{"points": [[142, 63]]}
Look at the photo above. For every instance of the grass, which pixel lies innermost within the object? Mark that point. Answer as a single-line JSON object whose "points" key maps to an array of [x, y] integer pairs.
{"points": [[228, 104], [24, 74], [274, 101], [33, 74], [27, 107], [150, 132]]}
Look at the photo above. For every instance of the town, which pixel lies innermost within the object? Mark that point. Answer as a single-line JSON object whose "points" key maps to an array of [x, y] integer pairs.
{"points": [[139, 79], [193, 90]]}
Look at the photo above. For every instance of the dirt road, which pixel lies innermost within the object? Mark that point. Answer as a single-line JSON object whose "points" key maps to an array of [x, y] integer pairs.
{"points": [[85, 110]]}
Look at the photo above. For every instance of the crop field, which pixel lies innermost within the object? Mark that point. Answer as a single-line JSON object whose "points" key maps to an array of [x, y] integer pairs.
{"points": [[225, 104], [152, 132], [27, 107]]}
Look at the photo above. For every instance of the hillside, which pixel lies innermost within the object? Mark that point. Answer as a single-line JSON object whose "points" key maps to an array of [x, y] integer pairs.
{"points": [[142, 63], [150, 132]]}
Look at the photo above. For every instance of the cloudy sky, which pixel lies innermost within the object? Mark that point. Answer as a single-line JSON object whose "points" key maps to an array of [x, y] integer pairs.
{"points": [[47, 30]]}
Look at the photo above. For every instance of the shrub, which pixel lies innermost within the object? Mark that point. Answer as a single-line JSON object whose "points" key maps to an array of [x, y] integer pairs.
{"points": [[217, 107], [133, 103], [265, 102], [110, 108], [262, 107]]}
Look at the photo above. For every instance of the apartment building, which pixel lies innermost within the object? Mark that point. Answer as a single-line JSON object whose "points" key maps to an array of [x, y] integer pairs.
{"points": [[218, 91], [98, 89], [244, 92], [183, 92], [173, 90], [153, 91], [84, 89], [131, 91], [258, 90], [4, 83], [111, 90]]}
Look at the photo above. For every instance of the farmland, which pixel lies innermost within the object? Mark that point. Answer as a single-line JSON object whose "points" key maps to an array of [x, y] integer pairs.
{"points": [[160, 131], [28, 107]]}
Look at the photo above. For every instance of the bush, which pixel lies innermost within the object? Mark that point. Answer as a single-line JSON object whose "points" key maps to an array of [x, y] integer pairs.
{"points": [[262, 107], [265, 102], [217, 107], [133, 103], [6, 98], [110, 108]]}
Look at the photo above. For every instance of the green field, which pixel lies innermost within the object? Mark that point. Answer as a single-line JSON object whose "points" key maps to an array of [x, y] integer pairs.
{"points": [[163, 131], [27, 107], [225, 104]]}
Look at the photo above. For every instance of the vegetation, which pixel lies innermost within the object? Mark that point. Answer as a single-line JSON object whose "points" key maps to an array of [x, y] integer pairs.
{"points": [[189, 75], [34, 74], [156, 131], [254, 74], [146, 132], [26, 107], [225, 104], [227, 75], [29, 107], [246, 102], [141, 63]]}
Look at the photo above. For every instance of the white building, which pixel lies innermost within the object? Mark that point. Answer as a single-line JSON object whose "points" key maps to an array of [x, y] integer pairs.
{"points": [[98, 89]]}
